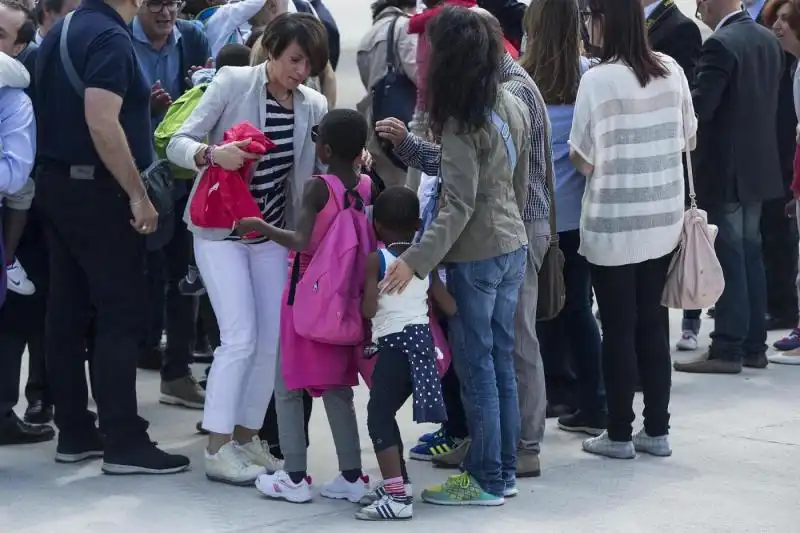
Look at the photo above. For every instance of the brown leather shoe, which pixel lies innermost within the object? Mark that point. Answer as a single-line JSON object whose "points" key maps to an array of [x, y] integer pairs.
{"points": [[709, 366]]}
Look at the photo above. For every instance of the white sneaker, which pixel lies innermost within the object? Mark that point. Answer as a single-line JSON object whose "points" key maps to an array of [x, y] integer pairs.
{"points": [[279, 486], [230, 465], [18, 279], [341, 489], [379, 492], [388, 508], [257, 451], [688, 341]]}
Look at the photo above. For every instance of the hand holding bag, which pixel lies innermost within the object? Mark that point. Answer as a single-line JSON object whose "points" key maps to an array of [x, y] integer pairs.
{"points": [[552, 291], [694, 279]]}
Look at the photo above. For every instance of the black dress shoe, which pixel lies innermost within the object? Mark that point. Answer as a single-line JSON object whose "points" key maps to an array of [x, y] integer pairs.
{"points": [[15, 431], [38, 413], [775, 322], [558, 409]]}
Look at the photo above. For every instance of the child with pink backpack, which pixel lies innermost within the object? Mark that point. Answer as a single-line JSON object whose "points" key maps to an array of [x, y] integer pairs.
{"points": [[322, 331]]}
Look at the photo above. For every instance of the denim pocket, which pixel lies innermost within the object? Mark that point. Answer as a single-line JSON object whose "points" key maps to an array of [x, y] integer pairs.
{"points": [[489, 273]]}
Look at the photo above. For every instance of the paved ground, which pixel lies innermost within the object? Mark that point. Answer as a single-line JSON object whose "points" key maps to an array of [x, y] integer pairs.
{"points": [[735, 467]]}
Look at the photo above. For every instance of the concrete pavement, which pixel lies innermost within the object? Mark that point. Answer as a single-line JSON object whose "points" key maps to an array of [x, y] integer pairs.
{"points": [[735, 466]]}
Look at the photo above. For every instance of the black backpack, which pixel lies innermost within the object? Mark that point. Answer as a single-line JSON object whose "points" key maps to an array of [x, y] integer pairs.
{"points": [[394, 95]]}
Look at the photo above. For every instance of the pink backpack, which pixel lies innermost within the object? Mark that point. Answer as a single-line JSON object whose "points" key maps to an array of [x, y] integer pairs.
{"points": [[327, 299]]}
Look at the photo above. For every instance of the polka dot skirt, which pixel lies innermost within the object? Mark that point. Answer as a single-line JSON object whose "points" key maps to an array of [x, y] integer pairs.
{"points": [[416, 342]]}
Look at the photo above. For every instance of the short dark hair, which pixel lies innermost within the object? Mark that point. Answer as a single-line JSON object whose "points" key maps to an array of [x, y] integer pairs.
{"points": [[379, 5], [53, 6], [345, 131], [254, 36], [304, 29], [397, 209], [464, 74], [27, 31], [233, 55], [625, 40]]}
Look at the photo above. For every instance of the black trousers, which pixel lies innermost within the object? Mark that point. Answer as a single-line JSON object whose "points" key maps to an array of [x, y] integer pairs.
{"points": [[22, 322], [96, 267], [165, 268], [391, 387], [635, 332], [779, 248]]}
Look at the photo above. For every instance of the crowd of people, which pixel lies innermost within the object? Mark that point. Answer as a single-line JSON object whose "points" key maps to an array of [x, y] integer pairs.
{"points": [[405, 243]]}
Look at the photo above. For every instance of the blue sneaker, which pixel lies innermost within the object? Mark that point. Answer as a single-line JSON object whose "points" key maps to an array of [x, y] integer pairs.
{"points": [[789, 342], [428, 437], [426, 451]]}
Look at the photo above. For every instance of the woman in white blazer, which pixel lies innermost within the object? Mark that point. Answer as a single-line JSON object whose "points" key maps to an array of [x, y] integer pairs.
{"points": [[245, 279]]}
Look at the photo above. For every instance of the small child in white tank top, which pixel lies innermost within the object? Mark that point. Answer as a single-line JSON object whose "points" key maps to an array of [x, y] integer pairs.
{"points": [[406, 356]]}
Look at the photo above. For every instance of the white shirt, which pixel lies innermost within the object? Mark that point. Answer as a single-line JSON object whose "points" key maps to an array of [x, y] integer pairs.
{"points": [[726, 17], [230, 23], [648, 10], [398, 310], [633, 136]]}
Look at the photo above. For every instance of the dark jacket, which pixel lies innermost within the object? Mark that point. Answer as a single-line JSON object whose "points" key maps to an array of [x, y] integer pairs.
{"points": [[28, 58], [735, 96], [195, 50], [676, 35], [511, 14]]}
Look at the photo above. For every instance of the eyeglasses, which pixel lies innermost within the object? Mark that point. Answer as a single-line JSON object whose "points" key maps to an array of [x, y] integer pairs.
{"points": [[314, 133], [157, 7]]}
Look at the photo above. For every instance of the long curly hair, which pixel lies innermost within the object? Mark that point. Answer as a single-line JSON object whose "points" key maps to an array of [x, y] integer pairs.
{"points": [[552, 55], [463, 79]]}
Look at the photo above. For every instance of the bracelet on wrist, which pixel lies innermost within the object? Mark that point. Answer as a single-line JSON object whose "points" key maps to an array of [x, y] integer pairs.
{"points": [[209, 155], [139, 201]]}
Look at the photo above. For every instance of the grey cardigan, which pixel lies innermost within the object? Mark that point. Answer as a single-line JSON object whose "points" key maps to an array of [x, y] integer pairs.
{"points": [[238, 94]]}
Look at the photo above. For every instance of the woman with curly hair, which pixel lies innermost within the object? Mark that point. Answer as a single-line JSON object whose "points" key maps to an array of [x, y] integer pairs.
{"points": [[478, 233]]}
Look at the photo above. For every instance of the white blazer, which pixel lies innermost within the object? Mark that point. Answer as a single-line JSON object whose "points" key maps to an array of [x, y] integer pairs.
{"points": [[235, 95]]}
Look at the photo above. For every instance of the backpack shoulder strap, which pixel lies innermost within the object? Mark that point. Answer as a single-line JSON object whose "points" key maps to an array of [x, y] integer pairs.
{"points": [[505, 133], [66, 60], [391, 60]]}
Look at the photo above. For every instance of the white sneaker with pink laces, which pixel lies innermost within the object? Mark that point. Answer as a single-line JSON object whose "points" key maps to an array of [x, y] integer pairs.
{"points": [[279, 486]]}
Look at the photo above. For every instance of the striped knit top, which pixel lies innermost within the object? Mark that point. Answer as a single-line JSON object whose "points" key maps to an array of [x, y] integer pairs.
{"points": [[268, 185], [633, 136]]}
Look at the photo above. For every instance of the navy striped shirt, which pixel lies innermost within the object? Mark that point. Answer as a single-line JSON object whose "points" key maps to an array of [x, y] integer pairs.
{"points": [[268, 185]]}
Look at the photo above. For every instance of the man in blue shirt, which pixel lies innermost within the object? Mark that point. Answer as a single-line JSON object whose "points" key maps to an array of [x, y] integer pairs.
{"points": [[96, 213], [168, 50], [17, 150]]}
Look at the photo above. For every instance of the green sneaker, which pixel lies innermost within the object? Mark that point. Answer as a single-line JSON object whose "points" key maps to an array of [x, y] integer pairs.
{"points": [[460, 489]]}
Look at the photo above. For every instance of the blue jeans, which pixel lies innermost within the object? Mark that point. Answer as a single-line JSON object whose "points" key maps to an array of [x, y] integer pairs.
{"points": [[739, 327], [482, 343]]}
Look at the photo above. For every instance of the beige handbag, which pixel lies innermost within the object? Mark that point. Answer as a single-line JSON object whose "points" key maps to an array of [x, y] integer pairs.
{"points": [[694, 279]]}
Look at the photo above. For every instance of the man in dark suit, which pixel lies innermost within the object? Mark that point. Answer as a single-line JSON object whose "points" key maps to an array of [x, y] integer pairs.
{"points": [[676, 35], [673, 33], [735, 97]]}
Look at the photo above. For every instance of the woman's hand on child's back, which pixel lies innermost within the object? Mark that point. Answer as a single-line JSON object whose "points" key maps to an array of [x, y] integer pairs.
{"points": [[251, 224]]}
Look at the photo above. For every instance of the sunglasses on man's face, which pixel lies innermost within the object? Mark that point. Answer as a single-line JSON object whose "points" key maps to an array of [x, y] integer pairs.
{"points": [[315, 133]]}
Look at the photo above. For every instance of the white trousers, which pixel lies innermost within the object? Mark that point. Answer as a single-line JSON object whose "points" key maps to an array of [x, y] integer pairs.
{"points": [[245, 284]]}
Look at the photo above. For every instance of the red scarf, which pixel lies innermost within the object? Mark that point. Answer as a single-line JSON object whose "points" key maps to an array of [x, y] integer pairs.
{"points": [[418, 22]]}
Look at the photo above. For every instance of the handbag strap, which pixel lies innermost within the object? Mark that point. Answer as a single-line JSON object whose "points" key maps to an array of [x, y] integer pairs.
{"points": [[66, 60], [689, 172], [391, 59]]}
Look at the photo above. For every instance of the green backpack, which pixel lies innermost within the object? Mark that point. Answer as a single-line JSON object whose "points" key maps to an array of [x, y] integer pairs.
{"points": [[176, 115]]}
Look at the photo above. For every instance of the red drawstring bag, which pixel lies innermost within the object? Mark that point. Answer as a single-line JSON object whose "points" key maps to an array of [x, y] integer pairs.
{"points": [[223, 197]]}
